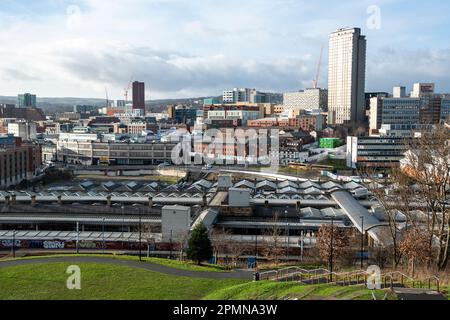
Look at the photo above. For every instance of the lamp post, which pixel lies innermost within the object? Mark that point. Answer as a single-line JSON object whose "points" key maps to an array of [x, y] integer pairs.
{"points": [[256, 250], [302, 245], [14, 244], [103, 234], [362, 242], [140, 235], [171, 235], [331, 249], [287, 234], [78, 237], [123, 225]]}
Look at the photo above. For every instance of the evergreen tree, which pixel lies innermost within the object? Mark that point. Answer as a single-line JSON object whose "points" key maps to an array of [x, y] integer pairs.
{"points": [[200, 248]]}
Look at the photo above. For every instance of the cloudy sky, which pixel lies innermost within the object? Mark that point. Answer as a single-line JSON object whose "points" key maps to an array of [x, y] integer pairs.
{"points": [[185, 48]]}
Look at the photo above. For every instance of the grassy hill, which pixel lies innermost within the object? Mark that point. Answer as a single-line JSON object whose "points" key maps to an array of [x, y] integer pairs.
{"points": [[269, 290], [46, 280], [102, 282]]}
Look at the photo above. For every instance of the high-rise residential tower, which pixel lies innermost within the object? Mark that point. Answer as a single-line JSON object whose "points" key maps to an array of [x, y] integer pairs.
{"points": [[347, 76], [139, 96]]}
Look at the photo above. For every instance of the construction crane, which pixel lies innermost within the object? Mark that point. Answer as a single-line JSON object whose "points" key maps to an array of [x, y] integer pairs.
{"points": [[316, 80], [126, 90], [107, 97]]}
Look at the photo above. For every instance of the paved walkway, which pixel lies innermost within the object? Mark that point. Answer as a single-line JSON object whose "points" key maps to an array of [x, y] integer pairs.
{"points": [[418, 294], [244, 275]]}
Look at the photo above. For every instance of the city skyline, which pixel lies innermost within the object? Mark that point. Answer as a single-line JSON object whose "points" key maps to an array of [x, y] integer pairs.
{"points": [[76, 49]]}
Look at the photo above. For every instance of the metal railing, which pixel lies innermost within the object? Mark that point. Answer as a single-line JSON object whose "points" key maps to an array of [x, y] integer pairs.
{"points": [[358, 277]]}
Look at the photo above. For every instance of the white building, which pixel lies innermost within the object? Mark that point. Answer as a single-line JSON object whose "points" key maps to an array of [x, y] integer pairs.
{"points": [[244, 115], [176, 223], [24, 130], [421, 89], [309, 99], [243, 95], [347, 73], [399, 92]]}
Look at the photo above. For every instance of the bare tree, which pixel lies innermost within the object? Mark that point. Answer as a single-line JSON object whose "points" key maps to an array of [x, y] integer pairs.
{"points": [[415, 246], [236, 249], [273, 236], [422, 183], [428, 163], [396, 203], [182, 239], [328, 234], [221, 241]]}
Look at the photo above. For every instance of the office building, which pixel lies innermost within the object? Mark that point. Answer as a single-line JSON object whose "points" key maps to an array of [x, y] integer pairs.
{"points": [[309, 99], [238, 95], [347, 72], [9, 111], [26, 100], [24, 130], [404, 111], [399, 92], [375, 152], [18, 161], [184, 115], [422, 89], [375, 114], [211, 101], [93, 149], [445, 109], [139, 96]]}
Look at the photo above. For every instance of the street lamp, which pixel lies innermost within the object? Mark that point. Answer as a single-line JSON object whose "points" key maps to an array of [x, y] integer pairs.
{"points": [[14, 244], [171, 235], [362, 242], [287, 234], [256, 250], [103, 233], [78, 237], [140, 235], [123, 225]]}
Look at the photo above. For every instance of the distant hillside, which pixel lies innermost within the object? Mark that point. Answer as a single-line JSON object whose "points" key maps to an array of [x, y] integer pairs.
{"points": [[53, 105]]}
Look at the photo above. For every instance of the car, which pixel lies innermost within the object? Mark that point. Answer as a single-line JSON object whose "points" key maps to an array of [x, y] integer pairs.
{"points": [[163, 165], [207, 167]]}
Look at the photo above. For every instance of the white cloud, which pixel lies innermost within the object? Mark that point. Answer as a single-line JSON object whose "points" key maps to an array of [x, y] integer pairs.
{"points": [[187, 48]]}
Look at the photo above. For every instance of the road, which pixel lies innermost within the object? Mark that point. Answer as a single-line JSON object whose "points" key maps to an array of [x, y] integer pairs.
{"points": [[243, 275]]}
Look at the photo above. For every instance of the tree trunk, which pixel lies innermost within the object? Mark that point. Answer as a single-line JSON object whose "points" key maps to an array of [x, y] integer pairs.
{"points": [[443, 255]]}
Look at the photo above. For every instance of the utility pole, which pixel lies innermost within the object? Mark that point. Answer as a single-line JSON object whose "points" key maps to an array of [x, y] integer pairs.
{"points": [[362, 242]]}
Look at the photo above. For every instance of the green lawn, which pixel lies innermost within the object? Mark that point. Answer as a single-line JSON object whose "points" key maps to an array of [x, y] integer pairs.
{"points": [[182, 265], [268, 290], [102, 282]]}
